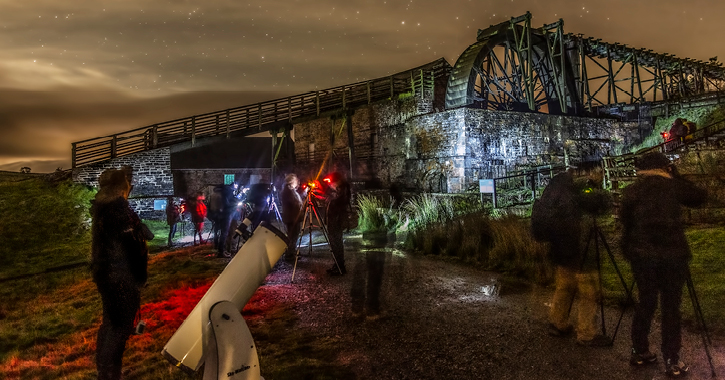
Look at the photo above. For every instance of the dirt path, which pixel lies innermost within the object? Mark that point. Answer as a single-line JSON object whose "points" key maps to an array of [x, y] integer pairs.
{"points": [[445, 320]]}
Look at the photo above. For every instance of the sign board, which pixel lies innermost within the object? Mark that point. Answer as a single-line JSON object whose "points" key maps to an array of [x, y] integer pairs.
{"points": [[486, 186]]}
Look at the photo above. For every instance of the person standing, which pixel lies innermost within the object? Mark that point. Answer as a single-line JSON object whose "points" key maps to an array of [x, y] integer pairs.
{"points": [[654, 242], [198, 213], [557, 218], [338, 208], [292, 212], [221, 208], [119, 266], [173, 215]]}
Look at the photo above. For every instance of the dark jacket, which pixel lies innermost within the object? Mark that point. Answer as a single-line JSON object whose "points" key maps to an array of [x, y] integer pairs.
{"points": [[119, 250], [221, 203], [338, 205], [173, 213], [651, 217], [557, 218], [291, 205]]}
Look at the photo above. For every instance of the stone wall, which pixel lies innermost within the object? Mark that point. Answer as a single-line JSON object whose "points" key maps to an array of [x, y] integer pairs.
{"points": [[401, 142], [152, 178]]}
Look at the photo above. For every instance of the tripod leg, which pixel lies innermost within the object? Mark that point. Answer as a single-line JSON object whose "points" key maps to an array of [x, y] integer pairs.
{"points": [[323, 227], [601, 287], [706, 341]]}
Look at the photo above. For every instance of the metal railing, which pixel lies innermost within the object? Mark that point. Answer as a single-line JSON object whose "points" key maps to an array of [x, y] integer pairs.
{"points": [[257, 117]]}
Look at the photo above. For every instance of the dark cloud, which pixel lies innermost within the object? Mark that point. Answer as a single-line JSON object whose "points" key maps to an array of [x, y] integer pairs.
{"points": [[79, 69]]}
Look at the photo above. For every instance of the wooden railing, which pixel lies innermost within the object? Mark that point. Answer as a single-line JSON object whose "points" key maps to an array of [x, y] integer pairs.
{"points": [[621, 168], [257, 117]]}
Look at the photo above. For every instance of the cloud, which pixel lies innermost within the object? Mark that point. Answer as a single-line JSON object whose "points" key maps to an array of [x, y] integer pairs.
{"points": [[43, 124]]}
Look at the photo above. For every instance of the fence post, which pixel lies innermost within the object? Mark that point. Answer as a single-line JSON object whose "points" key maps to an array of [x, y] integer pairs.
{"points": [[343, 96], [317, 102], [155, 136], [227, 124], [73, 155], [216, 125], [368, 88], [113, 146], [392, 87], [259, 117], [289, 108], [193, 130], [495, 203]]}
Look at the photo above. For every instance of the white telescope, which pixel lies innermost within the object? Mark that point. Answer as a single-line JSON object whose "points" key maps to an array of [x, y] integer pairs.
{"points": [[215, 332]]}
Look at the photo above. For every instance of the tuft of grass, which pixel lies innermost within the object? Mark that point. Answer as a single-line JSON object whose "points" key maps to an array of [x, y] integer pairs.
{"points": [[376, 215]]}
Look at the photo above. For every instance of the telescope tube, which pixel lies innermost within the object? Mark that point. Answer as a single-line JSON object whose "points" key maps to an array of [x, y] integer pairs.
{"points": [[237, 283]]}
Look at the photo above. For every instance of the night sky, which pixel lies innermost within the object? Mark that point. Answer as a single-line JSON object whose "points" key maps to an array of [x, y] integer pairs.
{"points": [[77, 69]]}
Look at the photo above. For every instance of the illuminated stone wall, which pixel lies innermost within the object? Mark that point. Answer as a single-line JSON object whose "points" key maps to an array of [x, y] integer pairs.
{"points": [[401, 142]]}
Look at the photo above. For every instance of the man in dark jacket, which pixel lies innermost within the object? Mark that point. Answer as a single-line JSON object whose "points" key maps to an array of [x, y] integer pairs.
{"points": [[558, 218], [173, 215], [653, 240], [292, 209], [338, 210], [221, 207], [119, 260]]}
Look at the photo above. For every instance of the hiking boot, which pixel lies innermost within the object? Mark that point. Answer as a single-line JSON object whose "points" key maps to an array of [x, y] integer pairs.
{"points": [[555, 331], [642, 359], [676, 368], [597, 341]]}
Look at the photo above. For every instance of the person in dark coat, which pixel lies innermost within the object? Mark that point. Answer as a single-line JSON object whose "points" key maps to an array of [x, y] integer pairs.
{"points": [[557, 217], [173, 216], [292, 211], [221, 208], [338, 210], [678, 129], [654, 242], [119, 266]]}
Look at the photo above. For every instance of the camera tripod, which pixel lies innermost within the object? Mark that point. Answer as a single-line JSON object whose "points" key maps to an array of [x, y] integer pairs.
{"points": [[596, 237], [310, 209]]}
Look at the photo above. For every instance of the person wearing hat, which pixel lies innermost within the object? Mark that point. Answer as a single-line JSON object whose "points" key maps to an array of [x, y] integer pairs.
{"points": [[653, 241], [119, 264]]}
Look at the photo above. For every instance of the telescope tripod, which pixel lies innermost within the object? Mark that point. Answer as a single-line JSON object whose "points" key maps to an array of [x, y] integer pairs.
{"points": [[310, 210], [705, 334]]}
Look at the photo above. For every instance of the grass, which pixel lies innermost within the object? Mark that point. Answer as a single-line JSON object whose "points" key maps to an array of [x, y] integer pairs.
{"points": [[48, 323]]}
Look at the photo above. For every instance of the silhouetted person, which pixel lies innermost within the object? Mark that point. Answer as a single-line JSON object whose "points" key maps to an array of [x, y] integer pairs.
{"points": [[221, 208], [173, 216], [557, 217], [368, 276], [653, 240], [119, 265], [338, 210], [678, 129], [293, 204]]}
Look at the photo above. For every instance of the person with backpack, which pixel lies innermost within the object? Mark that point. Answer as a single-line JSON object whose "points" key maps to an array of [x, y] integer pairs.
{"points": [[558, 218]]}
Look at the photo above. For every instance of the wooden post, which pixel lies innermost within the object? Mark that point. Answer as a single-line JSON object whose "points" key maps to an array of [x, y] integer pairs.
{"points": [[193, 130], [392, 87], [259, 117], [155, 136], [317, 102], [227, 124], [343, 96], [368, 88], [351, 145], [114, 141], [73, 155], [289, 108], [216, 124]]}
